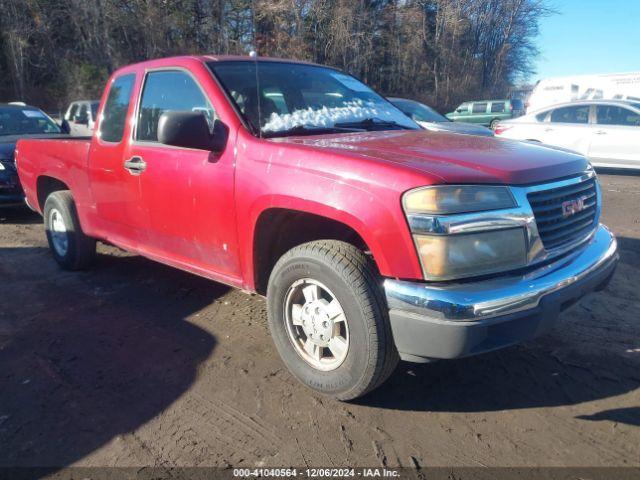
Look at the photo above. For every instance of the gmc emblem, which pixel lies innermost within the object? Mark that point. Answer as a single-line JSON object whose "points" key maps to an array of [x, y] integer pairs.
{"points": [[571, 207]]}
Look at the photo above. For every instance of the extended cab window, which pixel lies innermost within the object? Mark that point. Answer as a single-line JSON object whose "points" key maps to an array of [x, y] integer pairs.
{"points": [[612, 115], [167, 91], [115, 110], [479, 108], [571, 114]]}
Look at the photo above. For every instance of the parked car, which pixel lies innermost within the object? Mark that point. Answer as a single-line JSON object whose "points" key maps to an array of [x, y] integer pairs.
{"points": [[18, 121], [429, 119], [607, 132], [487, 112], [371, 238], [81, 116]]}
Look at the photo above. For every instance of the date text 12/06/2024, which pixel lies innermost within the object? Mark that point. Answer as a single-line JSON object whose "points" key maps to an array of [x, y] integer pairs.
{"points": [[316, 472]]}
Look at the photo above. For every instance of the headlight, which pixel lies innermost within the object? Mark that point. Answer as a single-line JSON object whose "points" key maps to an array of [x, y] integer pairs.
{"points": [[445, 257], [448, 199]]}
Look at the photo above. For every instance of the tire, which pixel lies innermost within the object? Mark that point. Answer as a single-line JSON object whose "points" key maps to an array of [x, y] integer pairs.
{"points": [[63, 229], [494, 123], [336, 271]]}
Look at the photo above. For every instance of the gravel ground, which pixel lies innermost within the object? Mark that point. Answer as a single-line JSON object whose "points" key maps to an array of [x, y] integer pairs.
{"points": [[137, 364]]}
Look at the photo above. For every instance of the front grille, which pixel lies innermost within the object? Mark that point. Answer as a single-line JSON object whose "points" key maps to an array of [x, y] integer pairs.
{"points": [[557, 227]]}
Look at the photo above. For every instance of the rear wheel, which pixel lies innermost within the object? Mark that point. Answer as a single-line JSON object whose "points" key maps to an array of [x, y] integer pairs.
{"points": [[494, 123], [71, 248], [328, 319]]}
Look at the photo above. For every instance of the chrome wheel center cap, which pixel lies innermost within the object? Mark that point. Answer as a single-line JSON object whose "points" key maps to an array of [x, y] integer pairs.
{"points": [[316, 324]]}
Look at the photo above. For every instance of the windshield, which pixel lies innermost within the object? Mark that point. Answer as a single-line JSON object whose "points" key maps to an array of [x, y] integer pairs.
{"points": [[418, 111], [25, 121], [305, 99]]}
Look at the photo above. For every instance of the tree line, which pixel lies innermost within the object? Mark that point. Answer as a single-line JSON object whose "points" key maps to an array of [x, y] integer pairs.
{"points": [[438, 51]]}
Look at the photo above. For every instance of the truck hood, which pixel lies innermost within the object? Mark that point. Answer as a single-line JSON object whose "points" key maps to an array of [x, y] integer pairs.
{"points": [[457, 127], [454, 158]]}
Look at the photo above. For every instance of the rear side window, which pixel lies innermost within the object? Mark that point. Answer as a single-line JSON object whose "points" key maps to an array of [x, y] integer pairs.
{"points": [[497, 107], [479, 108], [612, 115], [83, 111], [73, 110], [167, 91], [114, 114], [541, 116], [571, 114]]}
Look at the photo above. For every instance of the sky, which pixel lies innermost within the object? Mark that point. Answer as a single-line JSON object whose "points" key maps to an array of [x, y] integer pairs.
{"points": [[589, 36]]}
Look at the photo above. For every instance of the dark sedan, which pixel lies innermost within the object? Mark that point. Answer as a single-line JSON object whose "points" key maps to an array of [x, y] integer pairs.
{"points": [[16, 122], [429, 119]]}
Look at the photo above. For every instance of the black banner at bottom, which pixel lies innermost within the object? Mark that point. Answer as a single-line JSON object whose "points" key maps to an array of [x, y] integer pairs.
{"points": [[425, 473]]}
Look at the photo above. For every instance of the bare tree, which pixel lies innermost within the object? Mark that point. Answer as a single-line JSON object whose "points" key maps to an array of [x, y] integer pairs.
{"points": [[440, 51]]}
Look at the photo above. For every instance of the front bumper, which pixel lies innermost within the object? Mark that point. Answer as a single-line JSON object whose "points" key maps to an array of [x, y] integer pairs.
{"points": [[457, 320]]}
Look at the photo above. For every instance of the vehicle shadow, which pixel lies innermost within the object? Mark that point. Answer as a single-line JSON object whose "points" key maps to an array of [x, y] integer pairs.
{"points": [[630, 416], [86, 357], [588, 356], [19, 215]]}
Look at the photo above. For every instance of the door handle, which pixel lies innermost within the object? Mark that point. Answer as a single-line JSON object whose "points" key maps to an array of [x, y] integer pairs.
{"points": [[135, 165], [600, 132], [548, 129]]}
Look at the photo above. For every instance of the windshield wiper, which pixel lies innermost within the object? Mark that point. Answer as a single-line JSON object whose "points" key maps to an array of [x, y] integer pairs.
{"points": [[373, 122], [308, 130]]}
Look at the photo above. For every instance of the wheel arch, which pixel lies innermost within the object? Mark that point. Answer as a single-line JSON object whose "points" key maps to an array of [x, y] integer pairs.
{"points": [[272, 237], [45, 186]]}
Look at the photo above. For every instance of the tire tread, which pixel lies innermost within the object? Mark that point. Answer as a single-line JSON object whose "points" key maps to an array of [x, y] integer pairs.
{"points": [[359, 271]]}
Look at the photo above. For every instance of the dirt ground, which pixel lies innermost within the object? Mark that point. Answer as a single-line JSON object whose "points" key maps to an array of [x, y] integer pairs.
{"points": [[137, 364]]}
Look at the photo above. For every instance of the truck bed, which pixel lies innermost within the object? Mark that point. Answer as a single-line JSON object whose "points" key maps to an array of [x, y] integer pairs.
{"points": [[57, 157]]}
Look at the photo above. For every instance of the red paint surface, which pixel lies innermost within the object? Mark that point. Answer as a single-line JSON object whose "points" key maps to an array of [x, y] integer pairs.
{"points": [[197, 210]]}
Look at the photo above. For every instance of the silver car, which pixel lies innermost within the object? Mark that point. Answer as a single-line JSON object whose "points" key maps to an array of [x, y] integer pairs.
{"points": [[607, 132]]}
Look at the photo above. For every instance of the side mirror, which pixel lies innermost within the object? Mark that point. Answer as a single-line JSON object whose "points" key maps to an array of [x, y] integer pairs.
{"points": [[64, 126], [191, 130]]}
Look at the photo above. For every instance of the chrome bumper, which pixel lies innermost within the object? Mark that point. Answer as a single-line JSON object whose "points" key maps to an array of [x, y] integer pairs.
{"points": [[462, 308]]}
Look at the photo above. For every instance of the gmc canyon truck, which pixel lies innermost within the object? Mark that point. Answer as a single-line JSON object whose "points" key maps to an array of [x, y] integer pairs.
{"points": [[372, 239]]}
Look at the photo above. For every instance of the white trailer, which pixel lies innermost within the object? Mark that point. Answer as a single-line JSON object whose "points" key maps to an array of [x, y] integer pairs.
{"points": [[613, 86]]}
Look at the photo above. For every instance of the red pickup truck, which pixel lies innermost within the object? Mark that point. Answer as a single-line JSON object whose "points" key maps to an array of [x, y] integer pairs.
{"points": [[371, 238]]}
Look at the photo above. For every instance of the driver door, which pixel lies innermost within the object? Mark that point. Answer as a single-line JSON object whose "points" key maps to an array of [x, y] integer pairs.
{"points": [[188, 193]]}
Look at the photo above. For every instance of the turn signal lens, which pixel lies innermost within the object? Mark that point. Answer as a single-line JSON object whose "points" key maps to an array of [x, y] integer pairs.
{"points": [[449, 199]]}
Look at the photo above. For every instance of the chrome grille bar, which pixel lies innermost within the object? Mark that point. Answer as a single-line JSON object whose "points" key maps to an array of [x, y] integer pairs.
{"points": [[566, 214]]}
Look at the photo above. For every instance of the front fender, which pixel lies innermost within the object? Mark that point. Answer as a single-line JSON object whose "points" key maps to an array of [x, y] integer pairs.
{"points": [[382, 229]]}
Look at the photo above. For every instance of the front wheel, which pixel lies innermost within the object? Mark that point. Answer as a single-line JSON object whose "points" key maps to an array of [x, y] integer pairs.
{"points": [[71, 248], [328, 319], [494, 123]]}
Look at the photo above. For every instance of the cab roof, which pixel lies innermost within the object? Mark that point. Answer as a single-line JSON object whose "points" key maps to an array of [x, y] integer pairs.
{"points": [[168, 61]]}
